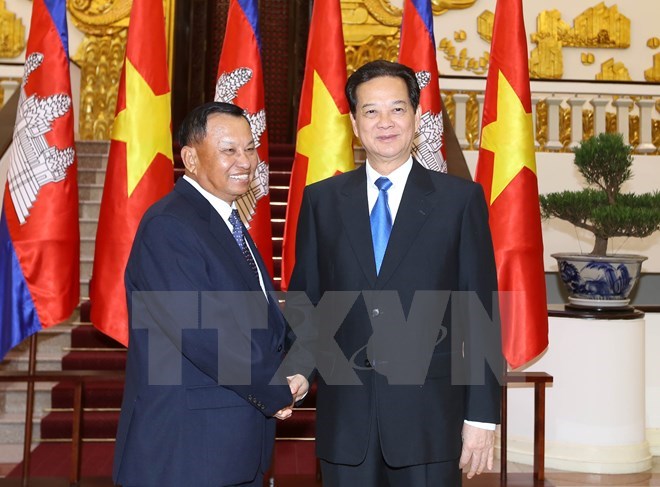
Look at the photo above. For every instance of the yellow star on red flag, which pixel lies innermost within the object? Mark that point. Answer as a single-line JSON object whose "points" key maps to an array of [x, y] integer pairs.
{"points": [[144, 125], [326, 140], [510, 138]]}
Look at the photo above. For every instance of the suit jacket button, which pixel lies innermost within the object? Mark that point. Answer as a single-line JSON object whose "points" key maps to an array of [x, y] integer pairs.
{"points": [[279, 349], [375, 312], [367, 363]]}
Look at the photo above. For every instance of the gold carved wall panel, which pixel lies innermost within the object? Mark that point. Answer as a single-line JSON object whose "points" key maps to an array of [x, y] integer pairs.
{"points": [[101, 57], [12, 33]]}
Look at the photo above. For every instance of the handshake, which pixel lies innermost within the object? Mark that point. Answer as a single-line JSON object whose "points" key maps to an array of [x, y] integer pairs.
{"points": [[299, 387]]}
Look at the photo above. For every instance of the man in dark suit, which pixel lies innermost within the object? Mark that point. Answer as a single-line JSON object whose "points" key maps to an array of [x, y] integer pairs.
{"points": [[206, 337], [396, 239]]}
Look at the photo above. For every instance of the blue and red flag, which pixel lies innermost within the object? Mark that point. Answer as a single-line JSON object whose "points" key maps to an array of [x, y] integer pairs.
{"points": [[241, 81], [417, 50], [39, 233]]}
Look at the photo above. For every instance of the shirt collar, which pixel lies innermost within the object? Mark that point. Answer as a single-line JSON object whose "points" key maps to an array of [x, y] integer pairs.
{"points": [[223, 208], [398, 177]]}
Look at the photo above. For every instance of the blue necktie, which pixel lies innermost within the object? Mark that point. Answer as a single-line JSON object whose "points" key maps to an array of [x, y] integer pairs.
{"points": [[236, 223], [381, 221]]}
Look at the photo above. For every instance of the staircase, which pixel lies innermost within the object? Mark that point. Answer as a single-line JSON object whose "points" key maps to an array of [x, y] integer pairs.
{"points": [[82, 347]]}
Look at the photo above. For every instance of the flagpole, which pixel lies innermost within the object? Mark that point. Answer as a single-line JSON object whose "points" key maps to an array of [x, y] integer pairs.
{"points": [[29, 410]]}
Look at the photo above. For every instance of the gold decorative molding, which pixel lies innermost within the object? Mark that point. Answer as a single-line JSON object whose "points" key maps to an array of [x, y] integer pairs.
{"points": [[372, 28], [653, 73], [546, 60], [101, 57], [460, 35], [12, 33], [587, 58], [596, 27], [612, 70], [599, 26], [101, 60], [485, 23], [461, 61], [653, 43]]}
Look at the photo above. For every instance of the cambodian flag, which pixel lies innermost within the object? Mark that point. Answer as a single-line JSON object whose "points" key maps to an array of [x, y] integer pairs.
{"points": [[39, 234], [241, 81], [417, 50]]}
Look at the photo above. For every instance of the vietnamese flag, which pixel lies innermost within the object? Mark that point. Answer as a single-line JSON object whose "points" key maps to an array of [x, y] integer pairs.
{"points": [[241, 81], [324, 144], [507, 172], [140, 167]]}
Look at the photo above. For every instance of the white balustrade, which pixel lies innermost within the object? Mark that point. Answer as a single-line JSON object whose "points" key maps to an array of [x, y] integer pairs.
{"points": [[602, 99]]}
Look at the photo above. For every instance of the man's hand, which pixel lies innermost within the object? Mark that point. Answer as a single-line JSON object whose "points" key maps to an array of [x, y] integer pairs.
{"points": [[478, 448], [283, 413], [299, 387]]}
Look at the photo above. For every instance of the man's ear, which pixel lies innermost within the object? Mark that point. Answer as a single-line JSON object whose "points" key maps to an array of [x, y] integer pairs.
{"points": [[418, 117], [189, 157], [354, 125]]}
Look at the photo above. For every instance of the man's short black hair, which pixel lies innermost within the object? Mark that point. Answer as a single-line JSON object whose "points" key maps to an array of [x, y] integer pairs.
{"points": [[378, 69], [193, 127]]}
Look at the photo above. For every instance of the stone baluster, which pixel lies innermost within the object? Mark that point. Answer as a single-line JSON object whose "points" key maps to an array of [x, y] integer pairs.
{"points": [[535, 101], [645, 145], [553, 142], [460, 101], [480, 102], [576, 105], [600, 114], [622, 119]]}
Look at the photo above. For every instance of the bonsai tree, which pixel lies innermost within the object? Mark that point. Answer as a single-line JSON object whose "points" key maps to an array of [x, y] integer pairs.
{"points": [[605, 163]]}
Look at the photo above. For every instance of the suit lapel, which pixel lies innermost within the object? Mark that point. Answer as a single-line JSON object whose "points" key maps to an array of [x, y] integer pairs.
{"points": [[218, 228], [354, 210], [413, 211]]}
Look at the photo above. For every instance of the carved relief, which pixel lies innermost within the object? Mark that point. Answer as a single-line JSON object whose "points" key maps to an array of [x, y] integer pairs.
{"points": [[371, 28], [485, 23], [101, 56], [12, 33], [587, 58], [613, 71], [101, 60], [600, 26], [546, 60], [653, 73], [462, 61]]}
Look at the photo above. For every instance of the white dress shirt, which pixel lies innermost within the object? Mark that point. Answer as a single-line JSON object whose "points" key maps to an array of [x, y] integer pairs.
{"points": [[224, 209]]}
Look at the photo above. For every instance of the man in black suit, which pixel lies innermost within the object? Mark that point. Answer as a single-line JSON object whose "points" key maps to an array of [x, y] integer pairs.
{"points": [[408, 390], [206, 336]]}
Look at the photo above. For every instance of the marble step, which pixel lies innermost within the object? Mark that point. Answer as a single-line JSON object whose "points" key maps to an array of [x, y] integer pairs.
{"points": [[89, 161], [12, 428], [92, 147], [88, 227], [13, 397], [87, 247], [90, 192], [91, 175], [89, 210]]}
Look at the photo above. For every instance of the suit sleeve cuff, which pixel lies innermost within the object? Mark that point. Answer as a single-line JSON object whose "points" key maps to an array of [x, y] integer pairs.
{"points": [[478, 424]]}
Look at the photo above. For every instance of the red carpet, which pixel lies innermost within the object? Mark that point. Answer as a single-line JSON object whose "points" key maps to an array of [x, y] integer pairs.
{"points": [[54, 460]]}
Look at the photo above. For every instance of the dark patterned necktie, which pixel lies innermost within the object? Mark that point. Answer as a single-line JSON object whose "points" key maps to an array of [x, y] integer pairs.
{"points": [[235, 221], [381, 221]]}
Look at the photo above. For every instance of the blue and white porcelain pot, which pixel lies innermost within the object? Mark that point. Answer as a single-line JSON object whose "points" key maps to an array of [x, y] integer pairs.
{"points": [[599, 281]]}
